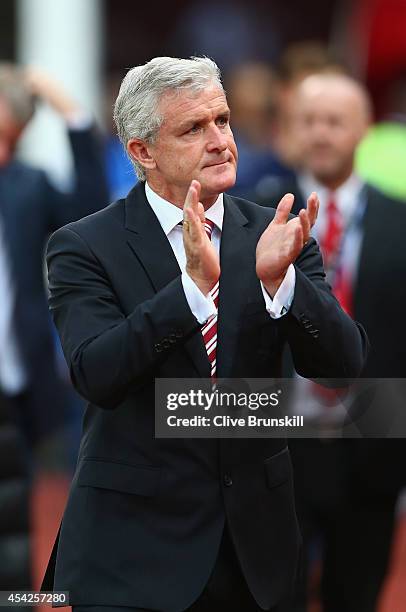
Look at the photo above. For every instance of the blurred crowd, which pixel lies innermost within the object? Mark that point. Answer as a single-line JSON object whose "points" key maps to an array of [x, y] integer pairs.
{"points": [[34, 399], [302, 125], [310, 126]]}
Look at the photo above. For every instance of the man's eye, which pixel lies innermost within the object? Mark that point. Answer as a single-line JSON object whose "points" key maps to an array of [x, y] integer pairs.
{"points": [[222, 121], [194, 129]]}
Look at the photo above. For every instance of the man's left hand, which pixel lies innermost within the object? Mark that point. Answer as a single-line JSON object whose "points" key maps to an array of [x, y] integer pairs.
{"points": [[282, 241]]}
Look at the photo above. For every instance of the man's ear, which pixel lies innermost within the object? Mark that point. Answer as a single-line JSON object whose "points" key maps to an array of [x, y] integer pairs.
{"points": [[140, 151]]}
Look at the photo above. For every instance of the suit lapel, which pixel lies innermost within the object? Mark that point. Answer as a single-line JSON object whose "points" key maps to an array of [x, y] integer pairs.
{"points": [[237, 260], [150, 245], [148, 241]]}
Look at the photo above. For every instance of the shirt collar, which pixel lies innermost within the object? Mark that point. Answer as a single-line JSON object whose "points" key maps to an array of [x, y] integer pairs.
{"points": [[350, 190], [169, 215], [346, 196]]}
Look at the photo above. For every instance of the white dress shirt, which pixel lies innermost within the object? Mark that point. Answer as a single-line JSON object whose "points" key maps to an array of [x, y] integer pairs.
{"points": [[346, 198], [202, 306]]}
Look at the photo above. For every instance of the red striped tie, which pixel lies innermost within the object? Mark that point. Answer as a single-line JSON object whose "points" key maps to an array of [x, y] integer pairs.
{"points": [[330, 242], [209, 330]]}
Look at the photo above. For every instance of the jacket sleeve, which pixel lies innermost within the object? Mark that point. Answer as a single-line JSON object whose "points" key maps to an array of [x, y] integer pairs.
{"points": [[90, 192], [324, 341], [107, 352]]}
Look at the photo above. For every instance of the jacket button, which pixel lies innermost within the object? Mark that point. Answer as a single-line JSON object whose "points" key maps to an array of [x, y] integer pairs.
{"points": [[158, 347], [228, 481]]}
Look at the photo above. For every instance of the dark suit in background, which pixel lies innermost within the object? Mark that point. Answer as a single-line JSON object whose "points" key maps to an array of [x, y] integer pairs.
{"points": [[348, 489], [145, 516], [30, 209]]}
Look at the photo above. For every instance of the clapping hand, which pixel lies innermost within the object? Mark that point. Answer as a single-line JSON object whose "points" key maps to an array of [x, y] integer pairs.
{"points": [[202, 261], [282, 241]]}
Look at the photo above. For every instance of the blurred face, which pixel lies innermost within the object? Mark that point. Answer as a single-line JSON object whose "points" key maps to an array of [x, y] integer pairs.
{"points": [[10, 132], [331, 119], [194, 142]]}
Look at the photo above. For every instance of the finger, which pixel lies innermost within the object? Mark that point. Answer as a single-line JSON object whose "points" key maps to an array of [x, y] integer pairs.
{"points": [[200, 212], [294, 238], [191, 225], [305, 223], [284, 208], [193, 196], [190, 198], [196, 202], [313, 208], [297, 240]]}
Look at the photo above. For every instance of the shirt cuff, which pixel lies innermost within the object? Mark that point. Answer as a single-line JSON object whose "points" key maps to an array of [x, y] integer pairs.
{"points": [[202, 306], [283, 298]]}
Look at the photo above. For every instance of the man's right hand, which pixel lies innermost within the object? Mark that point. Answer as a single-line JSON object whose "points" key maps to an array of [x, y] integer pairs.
{"points": [[202, 261]]}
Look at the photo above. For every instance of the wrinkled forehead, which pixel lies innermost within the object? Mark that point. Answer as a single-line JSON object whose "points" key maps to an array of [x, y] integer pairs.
{"points": [[176, 104], [333, 97]]}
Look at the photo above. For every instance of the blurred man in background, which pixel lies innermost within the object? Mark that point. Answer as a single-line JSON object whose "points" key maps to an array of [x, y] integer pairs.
{"points": [[31, 396], [253, 91], [298, 61], [347, 489]]}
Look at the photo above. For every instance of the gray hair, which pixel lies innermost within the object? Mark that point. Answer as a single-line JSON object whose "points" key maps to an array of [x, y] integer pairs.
{"points": [[15, 92], [136, 113]]}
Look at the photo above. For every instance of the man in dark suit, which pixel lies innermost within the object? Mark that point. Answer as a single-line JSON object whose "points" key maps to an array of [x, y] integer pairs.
{"points": [[346, 491], [170, 525], [31, 395], [30, 209]]}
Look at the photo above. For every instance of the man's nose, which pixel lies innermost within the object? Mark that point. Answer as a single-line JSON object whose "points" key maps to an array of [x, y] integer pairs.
{"points": [[320, 130], [216, 139]]}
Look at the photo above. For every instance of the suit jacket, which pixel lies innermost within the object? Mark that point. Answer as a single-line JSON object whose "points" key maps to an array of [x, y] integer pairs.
{"points": [[379, 295], [30, 209], [145, 516]]}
